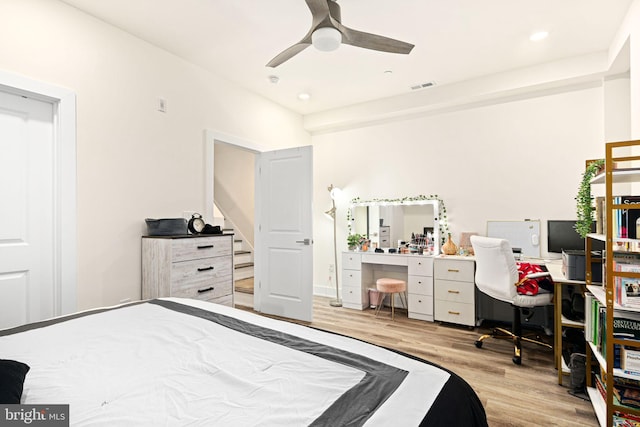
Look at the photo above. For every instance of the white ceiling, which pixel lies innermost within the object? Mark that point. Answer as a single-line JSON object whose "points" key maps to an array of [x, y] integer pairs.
{"points": [[455, 40]]}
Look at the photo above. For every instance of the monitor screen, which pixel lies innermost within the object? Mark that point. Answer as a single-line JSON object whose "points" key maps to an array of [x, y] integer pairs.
{"points": [[561, 235]]}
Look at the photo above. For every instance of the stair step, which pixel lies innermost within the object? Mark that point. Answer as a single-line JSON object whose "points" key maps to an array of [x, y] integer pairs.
{"points": [[243, 265], [241, 252]]}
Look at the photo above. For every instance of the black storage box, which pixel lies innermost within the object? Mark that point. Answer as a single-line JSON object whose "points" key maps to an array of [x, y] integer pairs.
{"points": [[166, 226], [574, 266]]}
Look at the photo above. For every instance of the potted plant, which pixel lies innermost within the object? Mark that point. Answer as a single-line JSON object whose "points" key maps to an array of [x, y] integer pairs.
{"points": [[584, 207], [355, 240]]}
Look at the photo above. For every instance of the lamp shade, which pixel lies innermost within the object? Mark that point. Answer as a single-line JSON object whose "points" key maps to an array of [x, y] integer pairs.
{"points": [[326, 39]]}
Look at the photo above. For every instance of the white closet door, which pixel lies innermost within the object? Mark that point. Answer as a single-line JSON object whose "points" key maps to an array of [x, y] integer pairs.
{"points": [[26, 210]]}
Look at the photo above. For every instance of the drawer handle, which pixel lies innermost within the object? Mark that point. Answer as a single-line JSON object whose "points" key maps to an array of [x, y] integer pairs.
{"points": [[453, 292], [205, 247], [453, 270], [420, 301], [202, 291], [457, 313], [205, 268], [419, 282]]}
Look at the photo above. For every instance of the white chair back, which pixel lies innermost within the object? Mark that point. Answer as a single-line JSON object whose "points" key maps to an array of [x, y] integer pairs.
{"points": [[496, 270]]}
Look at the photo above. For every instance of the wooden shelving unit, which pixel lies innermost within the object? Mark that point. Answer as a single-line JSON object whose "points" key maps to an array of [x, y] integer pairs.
{"points": [[617, 154]]}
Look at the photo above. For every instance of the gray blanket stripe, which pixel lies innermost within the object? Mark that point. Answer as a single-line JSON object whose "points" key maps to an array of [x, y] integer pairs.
{"points": [[357, 404]]}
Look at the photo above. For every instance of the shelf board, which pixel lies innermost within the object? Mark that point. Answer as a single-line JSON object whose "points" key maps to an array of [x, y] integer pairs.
{"points": [[598, 355], [599, 293], [599, 406], [619, 176]]}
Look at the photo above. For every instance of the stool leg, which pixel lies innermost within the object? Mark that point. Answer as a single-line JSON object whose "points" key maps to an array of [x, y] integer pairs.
{"points": [[404, 302], [393, 308], [380, 301]]}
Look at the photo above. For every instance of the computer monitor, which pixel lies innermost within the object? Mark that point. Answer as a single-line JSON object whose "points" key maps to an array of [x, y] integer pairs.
{"points": [[562, 235]]}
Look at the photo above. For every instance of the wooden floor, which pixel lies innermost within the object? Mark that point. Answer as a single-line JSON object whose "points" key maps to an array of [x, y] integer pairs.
{"points": [[512, 395]]}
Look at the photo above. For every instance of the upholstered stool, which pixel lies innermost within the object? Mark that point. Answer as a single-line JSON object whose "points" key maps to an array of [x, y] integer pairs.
{"points": [[391, 287]]}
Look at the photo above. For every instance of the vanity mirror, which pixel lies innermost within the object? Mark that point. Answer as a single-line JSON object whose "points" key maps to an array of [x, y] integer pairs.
{"points": [[418, 223]]}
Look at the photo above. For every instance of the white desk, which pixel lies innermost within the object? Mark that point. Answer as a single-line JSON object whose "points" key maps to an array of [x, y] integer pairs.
{"points": [[360, 270]]}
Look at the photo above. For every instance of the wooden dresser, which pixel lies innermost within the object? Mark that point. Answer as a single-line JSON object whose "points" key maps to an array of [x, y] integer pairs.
{"points": [[199, 267]]}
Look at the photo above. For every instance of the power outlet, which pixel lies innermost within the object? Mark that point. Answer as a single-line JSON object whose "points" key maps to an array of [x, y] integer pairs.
{"points": [[331, 268]]}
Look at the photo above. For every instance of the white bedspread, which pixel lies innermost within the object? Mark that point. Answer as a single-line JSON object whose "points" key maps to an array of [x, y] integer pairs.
{"points": [[148, 365]]}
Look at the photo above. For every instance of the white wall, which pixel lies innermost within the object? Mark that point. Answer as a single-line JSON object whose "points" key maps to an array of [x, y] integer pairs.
{"points": [[506, 161], [133, 161]]}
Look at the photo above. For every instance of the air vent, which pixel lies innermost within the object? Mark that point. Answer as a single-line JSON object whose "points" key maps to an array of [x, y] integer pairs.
{"points": [[422, 85]]}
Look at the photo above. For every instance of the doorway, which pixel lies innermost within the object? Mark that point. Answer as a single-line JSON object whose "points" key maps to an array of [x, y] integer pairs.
{"points": [[282, 207]]}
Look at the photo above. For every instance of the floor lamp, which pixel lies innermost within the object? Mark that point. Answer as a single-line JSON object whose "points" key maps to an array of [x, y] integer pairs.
{"points": [[332, 213]]}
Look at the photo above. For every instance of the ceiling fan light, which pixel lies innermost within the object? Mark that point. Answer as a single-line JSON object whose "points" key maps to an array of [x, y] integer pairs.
{"points": [[326, 39]]}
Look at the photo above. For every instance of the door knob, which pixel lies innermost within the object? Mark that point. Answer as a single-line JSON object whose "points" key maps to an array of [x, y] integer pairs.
{"points": [[305, 241]]}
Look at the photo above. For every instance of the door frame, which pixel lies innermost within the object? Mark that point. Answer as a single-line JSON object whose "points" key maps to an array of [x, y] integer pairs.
{"points": [[65, 250], [210, 138]]}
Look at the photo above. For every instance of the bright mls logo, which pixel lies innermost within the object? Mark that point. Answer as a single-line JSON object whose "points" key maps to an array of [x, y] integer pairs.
{"points": [[34, 415]]}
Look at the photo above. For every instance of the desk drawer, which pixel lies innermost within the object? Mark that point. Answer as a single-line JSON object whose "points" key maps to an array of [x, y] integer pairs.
{"points": [[455, 312], [200, 247], [420, 265], [351, 261], [421, 304], [451, 269], [351, 277], [421, 285], [455, 291], [353, 295]]}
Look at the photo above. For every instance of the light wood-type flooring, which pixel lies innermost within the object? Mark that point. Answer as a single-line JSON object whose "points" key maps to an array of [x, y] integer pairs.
{"points": [[512, 395]]}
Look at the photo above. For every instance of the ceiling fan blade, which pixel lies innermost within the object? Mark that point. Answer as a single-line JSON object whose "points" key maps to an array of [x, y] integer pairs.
{"points": [[373, 41], [318, 8], [289, 53]]}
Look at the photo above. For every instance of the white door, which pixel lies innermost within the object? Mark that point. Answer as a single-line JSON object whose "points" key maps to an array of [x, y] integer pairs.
{"points": [[283, 233], [26, 210]]}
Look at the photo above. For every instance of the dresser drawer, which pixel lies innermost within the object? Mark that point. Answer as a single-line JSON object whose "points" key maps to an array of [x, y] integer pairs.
{"points": [[453, 269], [455, 312], [200, 247], [421, 304], [420, 265], [351, 261], [188, 277], [351, 277], [453, 290], [422, 285]]}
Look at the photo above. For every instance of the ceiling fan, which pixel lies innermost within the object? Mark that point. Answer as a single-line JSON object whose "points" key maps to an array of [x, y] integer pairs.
{"points": [[327, 32]]}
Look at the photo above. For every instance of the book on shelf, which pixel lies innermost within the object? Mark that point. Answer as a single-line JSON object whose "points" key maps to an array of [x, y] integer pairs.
{"points": [[600, 214], [630, 361], [629, 218]]}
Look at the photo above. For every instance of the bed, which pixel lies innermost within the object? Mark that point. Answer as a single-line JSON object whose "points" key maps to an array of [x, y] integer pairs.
{"points": [[174, 361]]}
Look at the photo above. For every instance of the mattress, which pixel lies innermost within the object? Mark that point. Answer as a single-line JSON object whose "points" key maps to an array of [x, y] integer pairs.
{"points": [[177, 362]]}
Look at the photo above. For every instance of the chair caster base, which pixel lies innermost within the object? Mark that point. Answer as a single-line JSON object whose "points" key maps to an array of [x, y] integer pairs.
{"points": [[478, 344], [517, 360]]}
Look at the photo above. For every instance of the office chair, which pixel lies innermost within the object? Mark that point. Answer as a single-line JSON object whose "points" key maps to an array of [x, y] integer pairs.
{"points": [[497, 276]]}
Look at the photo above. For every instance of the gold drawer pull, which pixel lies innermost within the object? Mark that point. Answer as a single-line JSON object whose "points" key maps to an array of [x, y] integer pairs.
{"points": [[451, 291], [453, 270], [457, 313]]}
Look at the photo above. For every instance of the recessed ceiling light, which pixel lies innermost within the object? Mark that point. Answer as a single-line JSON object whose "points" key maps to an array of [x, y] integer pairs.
{"points": [[539, 35], [304, 96], [273, 79], [388, 72]]}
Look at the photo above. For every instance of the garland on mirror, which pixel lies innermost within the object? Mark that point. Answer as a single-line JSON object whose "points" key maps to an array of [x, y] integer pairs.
{"points": [[443, 224]]}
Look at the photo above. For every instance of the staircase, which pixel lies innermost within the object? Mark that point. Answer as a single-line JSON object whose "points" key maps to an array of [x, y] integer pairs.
{"points": [[242, 260], [242, 263]]}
